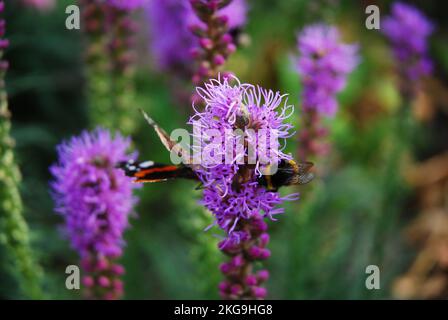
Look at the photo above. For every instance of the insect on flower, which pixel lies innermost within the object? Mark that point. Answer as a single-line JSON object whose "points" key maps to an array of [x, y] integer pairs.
{"points": [[288, 173]]}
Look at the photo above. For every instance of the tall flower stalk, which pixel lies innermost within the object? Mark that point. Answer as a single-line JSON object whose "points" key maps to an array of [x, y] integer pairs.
{"points": [[109, 31], [412, 65], [408, 30], [324, 64], [95, 199], [122, 66], [215, 43], [13, 227], [177, 51], [232, 193]]}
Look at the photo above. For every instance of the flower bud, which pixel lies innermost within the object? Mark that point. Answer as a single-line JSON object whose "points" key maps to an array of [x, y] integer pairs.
{"points": [[259, 292], [206, 43]]}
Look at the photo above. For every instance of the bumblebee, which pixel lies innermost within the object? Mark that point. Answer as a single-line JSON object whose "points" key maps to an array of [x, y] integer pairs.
{"points": [[288, 173]]}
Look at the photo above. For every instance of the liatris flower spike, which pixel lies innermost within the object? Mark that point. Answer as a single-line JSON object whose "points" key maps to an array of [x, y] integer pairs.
{"points": [[239, 192], [13, 227], [110, 61], [324, 64], [95, 199], [234, 192], [408, 30]]}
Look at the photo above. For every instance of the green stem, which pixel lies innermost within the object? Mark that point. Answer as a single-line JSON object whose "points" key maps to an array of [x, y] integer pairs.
{"points": [[14, 233], [109, 69]]}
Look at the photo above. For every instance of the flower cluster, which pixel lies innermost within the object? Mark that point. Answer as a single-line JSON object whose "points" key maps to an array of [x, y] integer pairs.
{"points": [[408, 29], [172, 41], [231, 190], [95, 199], [110, 59], [324, 64], [215, 43]]}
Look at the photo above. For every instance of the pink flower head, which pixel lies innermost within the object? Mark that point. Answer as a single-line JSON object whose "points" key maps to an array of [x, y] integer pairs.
{"points": [[94, 197]]}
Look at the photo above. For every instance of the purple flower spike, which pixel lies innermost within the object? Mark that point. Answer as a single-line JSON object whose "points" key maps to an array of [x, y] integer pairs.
{"points": [[324, 64], [236, 13], [175, 32], [95, 198], [170, 38], [231, 190], [408, 30]]}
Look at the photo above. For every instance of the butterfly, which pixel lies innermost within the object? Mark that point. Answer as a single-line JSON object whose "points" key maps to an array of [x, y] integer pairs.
{"points": [[289, 172]]}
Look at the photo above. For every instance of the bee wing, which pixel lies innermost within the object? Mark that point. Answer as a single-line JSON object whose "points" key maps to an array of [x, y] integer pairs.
{"points": [[305, 178], [170, 145], [305, 167]]}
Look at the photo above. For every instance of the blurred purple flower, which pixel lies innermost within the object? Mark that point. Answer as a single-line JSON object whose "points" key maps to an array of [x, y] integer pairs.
{"points": [[408, 30], [95, 199], [171, 39], [231, 191], [236, 12], [324, 64]]}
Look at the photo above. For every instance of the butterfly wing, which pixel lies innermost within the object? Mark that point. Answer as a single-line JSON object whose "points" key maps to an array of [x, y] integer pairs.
{"points": [[149, 171], [170, 145]]}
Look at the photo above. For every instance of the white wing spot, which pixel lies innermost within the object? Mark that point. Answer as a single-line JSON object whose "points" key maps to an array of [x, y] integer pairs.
{"points": [[146, 164]]}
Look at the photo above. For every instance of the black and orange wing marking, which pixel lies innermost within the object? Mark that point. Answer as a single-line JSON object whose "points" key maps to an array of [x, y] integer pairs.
{"points": [[150, 171], [157, 174]]}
